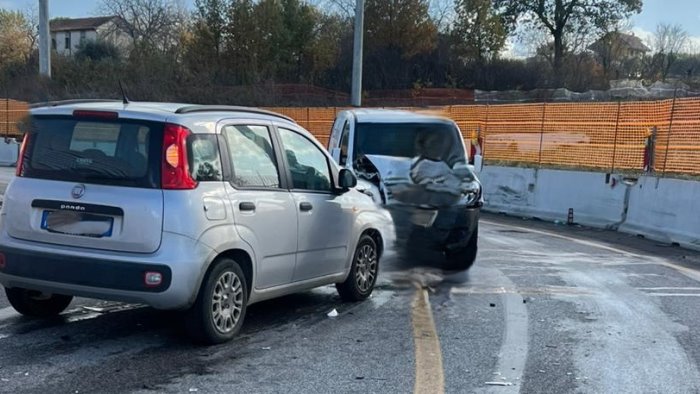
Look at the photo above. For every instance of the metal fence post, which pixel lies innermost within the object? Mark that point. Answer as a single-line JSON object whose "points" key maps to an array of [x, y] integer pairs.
{"points": [[650, 156], [670, 126], [539, 157], [486, 130], [617, 125]]}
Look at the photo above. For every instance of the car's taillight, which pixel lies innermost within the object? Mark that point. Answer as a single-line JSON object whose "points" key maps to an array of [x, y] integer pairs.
{"points": [[175, 174], [22, 151]]}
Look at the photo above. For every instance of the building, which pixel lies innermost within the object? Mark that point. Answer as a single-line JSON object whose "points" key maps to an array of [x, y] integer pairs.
{"points": [[620, 54], [619, 45], [68, 34]]}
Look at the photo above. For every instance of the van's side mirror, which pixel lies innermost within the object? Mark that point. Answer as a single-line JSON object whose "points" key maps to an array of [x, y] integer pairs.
{"points": [[335, 154], [346, 179]]}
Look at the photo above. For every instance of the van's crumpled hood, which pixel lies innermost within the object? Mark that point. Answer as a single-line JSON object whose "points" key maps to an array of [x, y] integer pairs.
{"points": [[420, 182]]}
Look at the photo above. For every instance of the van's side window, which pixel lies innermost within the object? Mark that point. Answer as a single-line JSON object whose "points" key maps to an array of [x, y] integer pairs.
{"points": [[252, 156]]}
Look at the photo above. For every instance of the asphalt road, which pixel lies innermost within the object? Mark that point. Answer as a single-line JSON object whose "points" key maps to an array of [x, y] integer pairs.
{"points": [[546, 309]]}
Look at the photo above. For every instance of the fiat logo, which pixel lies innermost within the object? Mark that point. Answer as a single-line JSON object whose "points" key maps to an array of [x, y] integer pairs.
{"points": [[78, 191]]}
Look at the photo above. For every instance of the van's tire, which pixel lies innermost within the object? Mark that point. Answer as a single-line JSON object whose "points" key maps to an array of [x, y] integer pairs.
{"points": [[462, 259], [35, 303], [363, 272], [219, 310]]}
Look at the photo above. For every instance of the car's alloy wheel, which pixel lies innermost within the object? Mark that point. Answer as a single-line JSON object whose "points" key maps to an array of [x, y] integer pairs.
{"points": [[219, 310], [363, 272], [227, 302], [366, 267]]}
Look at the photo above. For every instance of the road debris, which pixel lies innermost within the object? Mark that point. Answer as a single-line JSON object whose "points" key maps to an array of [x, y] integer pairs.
{"points": [[498, 383], [333, 313]]}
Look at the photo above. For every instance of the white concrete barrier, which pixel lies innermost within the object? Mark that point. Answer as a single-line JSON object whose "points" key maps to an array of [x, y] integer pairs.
{"points": [[666, 210], [663, 209], [9, 150], [549, 194]]}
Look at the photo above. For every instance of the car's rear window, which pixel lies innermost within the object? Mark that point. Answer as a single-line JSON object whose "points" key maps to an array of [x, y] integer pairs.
{"points": [[115, 152]]}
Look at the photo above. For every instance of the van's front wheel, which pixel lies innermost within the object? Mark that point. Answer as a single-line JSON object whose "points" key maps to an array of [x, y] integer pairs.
{"points": [[218, 313], [35, 303]]}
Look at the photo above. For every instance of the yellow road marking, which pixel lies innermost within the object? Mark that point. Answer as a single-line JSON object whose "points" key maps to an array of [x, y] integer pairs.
{"points": [[430, 376]]}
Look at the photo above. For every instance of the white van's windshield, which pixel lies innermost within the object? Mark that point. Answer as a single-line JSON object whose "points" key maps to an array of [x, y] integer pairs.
{"points": [[434, 141]]}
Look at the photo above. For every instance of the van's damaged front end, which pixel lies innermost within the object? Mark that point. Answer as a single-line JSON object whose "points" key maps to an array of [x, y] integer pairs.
{"points": [[435, 207]]}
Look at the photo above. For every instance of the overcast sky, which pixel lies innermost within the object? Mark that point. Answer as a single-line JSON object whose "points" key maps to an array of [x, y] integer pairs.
{"points": [[683, 12]]}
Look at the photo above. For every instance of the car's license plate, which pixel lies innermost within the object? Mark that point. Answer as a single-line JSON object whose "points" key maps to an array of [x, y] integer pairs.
{"points": [[424, 217], [77, 223]]}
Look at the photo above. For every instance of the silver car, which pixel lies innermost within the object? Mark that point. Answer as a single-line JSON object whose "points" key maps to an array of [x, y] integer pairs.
{"points": [[198, 208]]}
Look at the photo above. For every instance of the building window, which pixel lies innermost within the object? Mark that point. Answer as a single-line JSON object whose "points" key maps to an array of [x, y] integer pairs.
{"points": [[82, 36], [68, 46], [53, 43]]}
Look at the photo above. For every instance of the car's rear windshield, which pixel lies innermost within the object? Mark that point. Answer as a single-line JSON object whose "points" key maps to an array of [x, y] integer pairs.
{"points": [[112, 152], [435, 141]]}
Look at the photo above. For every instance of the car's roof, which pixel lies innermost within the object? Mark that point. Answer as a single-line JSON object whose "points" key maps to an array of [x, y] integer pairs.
{"points": [[395, 116], [158, 110]]}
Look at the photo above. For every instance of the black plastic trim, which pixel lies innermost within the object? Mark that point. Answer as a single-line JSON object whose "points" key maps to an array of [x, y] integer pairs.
{"points": [[69, 102], [106, 274], [229, 108], [74, 206]]}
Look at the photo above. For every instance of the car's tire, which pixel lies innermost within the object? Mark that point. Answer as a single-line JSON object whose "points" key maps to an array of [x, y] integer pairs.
{"points": [[462, 259], [363, 272], [35, 303], [219, 310]]}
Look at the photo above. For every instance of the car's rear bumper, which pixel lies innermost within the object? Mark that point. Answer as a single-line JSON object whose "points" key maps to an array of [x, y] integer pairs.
{"points": [[107, 275]]}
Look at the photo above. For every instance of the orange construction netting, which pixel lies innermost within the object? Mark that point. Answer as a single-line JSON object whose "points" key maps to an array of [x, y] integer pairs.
{"points": [[611, 136], [11, 113]]}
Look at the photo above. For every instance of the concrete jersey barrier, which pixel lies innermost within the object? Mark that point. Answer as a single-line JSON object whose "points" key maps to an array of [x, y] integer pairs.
{"points": [[662, 209]]}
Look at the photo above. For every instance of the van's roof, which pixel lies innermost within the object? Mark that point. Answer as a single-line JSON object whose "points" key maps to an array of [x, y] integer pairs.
{"points": [[395, 116], [158, 111]]}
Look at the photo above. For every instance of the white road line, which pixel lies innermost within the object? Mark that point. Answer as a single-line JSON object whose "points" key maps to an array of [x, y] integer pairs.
{"points": [[690, 273], [668, 288], [512, 355], [673, 294], [8, 312]]}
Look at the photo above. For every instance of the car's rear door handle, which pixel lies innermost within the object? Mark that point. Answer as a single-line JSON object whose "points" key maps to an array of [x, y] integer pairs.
{"points": [[246, 206], [305, 206]]}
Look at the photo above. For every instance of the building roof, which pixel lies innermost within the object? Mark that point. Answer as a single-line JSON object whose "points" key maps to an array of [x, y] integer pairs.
{"points": [[629, 40], [79, 23]]}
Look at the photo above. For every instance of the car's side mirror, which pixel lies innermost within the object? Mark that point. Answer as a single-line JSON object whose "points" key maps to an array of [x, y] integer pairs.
{"points": [[346, 179], [335, 154]]}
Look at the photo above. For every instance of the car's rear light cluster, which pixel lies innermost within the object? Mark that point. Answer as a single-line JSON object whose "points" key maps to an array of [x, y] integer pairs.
{"points": [[22, 152], [175, 174]]}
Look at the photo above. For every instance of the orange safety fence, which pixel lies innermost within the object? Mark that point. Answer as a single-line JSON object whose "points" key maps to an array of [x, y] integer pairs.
{"points": [[610, 136], [11, 113]]}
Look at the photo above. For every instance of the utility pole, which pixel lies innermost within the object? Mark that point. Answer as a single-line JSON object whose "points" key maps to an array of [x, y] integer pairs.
{"points": [[44, 39], [356, 96]]}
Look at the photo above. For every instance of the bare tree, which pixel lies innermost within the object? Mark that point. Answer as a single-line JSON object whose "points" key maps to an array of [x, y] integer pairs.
{"points": [[154, 23], [669, 41], [443, 13]]}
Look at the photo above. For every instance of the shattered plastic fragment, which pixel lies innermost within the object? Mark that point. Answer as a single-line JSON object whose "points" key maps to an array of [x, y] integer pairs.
{"points": [[498, 383], [333, 313]]}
